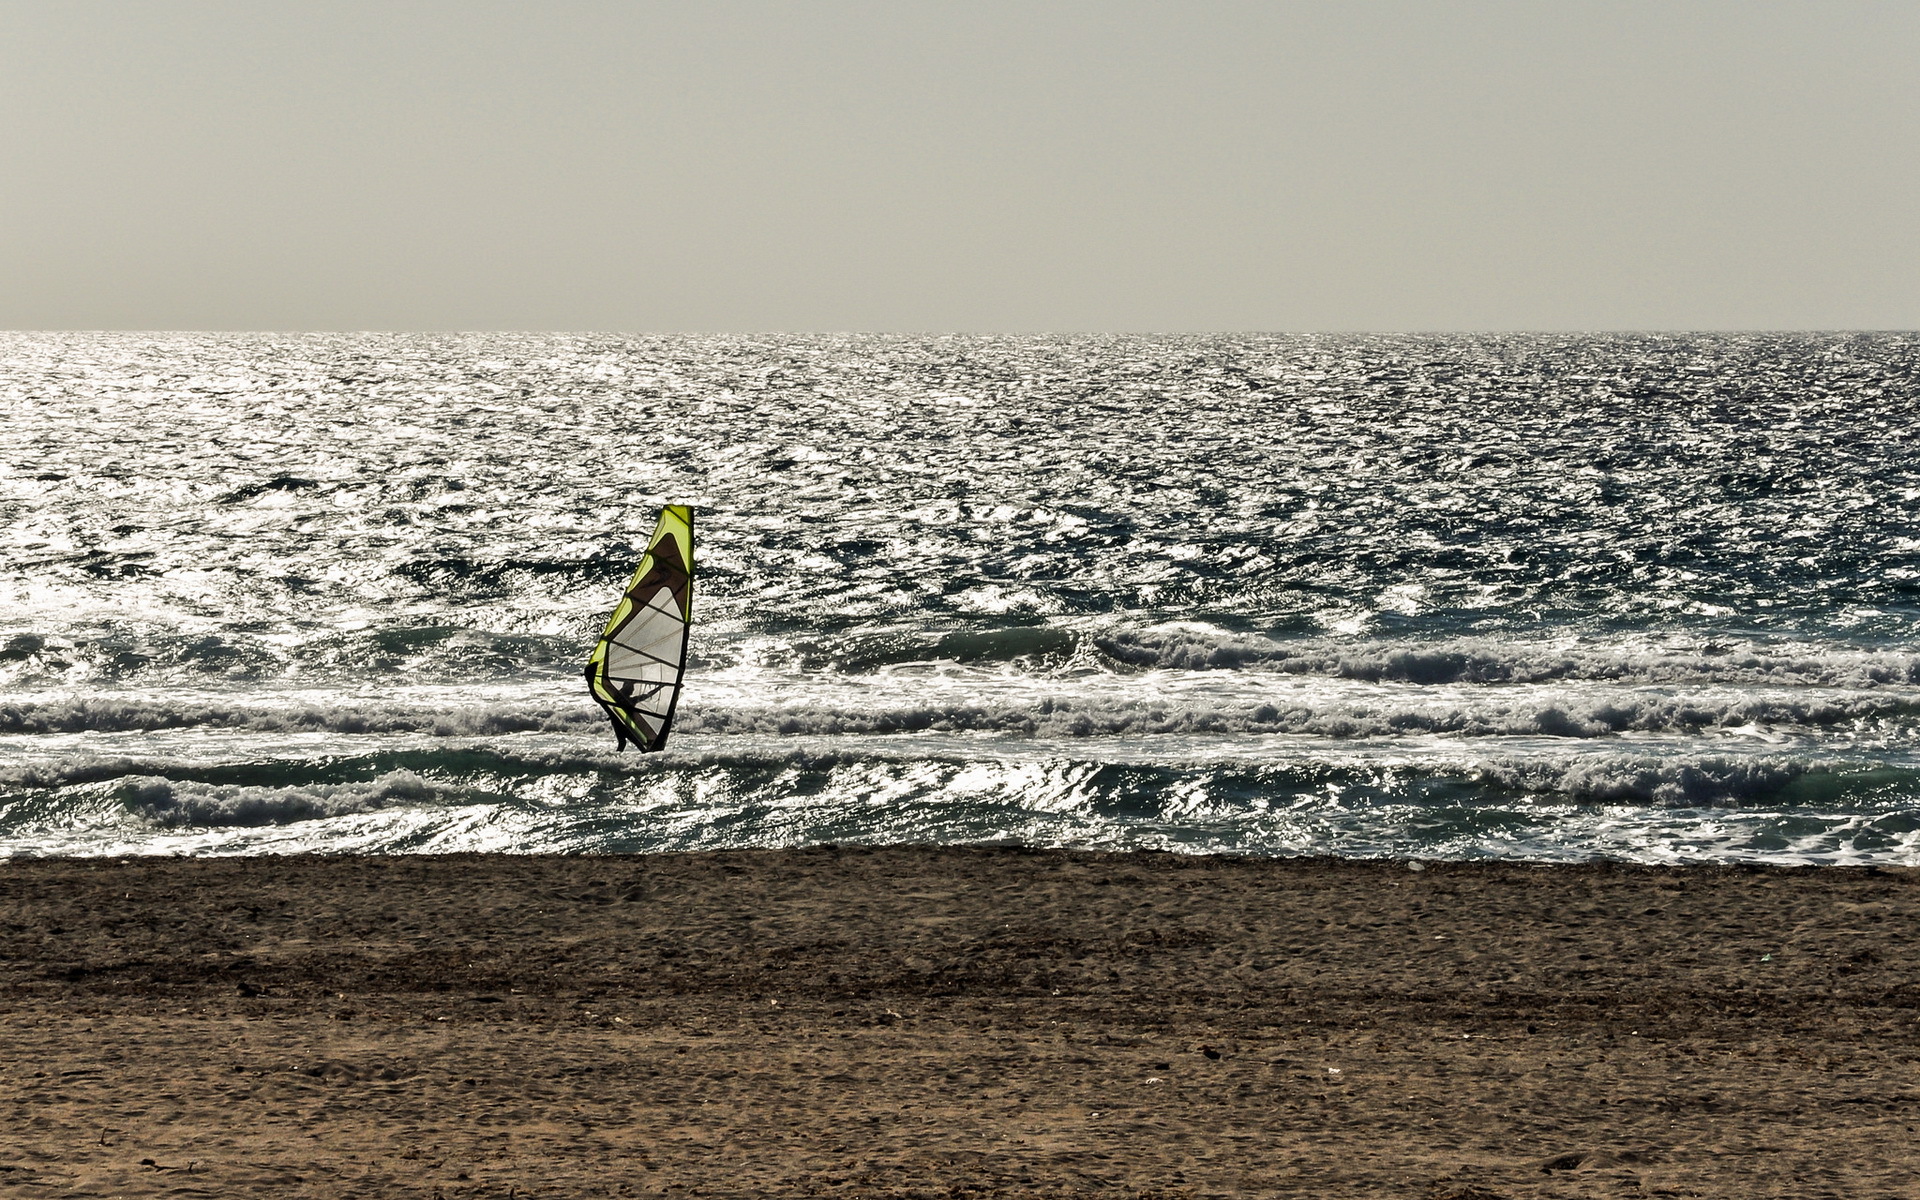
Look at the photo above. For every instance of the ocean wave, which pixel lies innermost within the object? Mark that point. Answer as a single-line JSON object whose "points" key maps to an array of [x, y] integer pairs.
{"points": [[445, 650], [441, 763], [114, 714], [1050, 649], [1531, 807], [1493, 661], [1882, 715], [1671, 783], [1092, 718], [172, 802], [301, 789], [431, 651]]}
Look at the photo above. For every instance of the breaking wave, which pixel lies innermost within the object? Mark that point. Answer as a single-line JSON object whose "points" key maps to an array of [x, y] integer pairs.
{"points": [[445, 652], [1885, 716], [1501, 661], [106, 714], [422, 774], [1631, 806], [169, 802]]}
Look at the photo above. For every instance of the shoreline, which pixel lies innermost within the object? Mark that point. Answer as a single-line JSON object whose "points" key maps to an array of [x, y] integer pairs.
{"points": [[954, 1022]]}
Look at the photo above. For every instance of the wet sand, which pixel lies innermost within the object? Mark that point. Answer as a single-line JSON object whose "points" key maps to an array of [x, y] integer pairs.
{"points": [[954, 1024]]}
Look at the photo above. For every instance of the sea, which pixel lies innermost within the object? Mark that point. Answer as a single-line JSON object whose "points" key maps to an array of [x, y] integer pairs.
{"points": [[1549, 598]]}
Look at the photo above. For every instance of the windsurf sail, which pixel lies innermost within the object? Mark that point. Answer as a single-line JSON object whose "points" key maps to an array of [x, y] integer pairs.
{"points": [[635, 669]]}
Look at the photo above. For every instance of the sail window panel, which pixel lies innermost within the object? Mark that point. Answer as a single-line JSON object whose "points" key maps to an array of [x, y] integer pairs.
{"points": [[624, 657], [651, 630], [649, 625], [661, 650]]}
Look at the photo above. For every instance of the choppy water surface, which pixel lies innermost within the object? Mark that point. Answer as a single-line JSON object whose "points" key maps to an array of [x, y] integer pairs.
{"points": [[1652, 597]]}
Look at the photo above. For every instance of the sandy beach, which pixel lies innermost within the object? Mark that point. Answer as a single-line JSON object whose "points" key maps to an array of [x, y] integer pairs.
{"points": [[954, 1023]]}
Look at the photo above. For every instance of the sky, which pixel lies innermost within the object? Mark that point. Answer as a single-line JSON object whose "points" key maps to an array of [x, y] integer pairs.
{"points": [[974, 166]]}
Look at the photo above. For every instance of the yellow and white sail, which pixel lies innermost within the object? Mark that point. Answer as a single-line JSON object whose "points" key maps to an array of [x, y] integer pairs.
{"points": [[636, 666]]}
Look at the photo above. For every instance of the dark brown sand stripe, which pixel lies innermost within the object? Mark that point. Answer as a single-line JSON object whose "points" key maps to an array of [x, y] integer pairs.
{"points": [[905, 1022]]}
